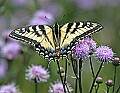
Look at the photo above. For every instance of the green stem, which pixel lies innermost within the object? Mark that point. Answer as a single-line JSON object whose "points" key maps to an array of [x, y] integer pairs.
{"points": [[91, 66], [75, 85], [65, 71], [108, 88], [65, 78], [95, 78], [118, 89], [97, 89], [76, 79], [114, 79], [61, 76], [73, 67], [36, 87], [80, 76]]}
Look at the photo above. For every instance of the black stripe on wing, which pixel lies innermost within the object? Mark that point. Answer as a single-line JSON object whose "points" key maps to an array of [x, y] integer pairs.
{"points": [[87, 33], [67, 30]]}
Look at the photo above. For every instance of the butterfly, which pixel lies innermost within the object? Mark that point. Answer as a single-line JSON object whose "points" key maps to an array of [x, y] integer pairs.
{"points": [[54, 42]]}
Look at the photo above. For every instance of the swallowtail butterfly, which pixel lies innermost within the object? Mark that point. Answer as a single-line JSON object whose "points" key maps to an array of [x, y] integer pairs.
{"points": [[55, 41]]}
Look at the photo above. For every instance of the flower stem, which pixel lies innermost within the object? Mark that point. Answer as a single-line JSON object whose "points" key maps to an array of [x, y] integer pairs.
{"points": [[73, 67], [91, 66], [80, 76], [76, 79], [108, 88], [65, 71], [65, 78], [61, 76], [118, 89], [76, 85], [97, 89], [114, 79], [96, 77], [36, 87]]}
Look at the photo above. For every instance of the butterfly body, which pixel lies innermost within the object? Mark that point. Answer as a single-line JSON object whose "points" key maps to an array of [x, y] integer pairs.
{"points": [[57, 41]]}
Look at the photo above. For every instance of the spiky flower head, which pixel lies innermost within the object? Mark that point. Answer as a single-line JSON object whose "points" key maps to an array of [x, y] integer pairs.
{"points": [[104, 53], [90, 42], [37, 74], [9, 88], [81, 50], [11, 50], [57, 87]]}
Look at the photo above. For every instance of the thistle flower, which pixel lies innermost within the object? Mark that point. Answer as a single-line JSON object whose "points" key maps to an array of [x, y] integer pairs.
{"points": [[10, 88], [11, 50], [37, 74], [81, 50], [57, 87], [39, 18], [104, 53], [90, 42]]}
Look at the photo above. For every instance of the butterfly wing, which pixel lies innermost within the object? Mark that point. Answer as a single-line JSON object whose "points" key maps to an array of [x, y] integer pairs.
{"points": [[39, 36], [71, 32]]}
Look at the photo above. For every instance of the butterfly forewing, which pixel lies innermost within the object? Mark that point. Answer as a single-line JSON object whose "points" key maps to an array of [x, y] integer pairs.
{"points": [[78, 30], [35, 34]]}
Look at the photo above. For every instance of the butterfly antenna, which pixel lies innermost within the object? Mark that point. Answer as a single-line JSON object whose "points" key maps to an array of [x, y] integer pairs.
{"points": [[62, 17], [49, 19]]}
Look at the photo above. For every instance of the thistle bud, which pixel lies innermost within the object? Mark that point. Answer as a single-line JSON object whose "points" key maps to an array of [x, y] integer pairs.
{"points": [[99, 80], [116, 61], [109, 83]]}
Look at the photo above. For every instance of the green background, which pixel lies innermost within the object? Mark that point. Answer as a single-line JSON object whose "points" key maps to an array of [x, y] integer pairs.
{"points": [[106, 14]]}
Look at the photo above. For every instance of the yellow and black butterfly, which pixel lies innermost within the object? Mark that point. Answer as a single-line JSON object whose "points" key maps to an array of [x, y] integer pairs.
{"points": [[57, 41]]}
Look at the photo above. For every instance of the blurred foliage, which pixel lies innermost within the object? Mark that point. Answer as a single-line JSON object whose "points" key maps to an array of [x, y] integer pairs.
{"points": [[18, 13]]}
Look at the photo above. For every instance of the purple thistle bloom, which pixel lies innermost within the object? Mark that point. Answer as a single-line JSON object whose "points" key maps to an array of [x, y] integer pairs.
{"points": [[90, 42], [104, 53], [37, 73], [57, 87], [11, 50], [81, 50], [10, 88], [3, 68], [39, 18]]}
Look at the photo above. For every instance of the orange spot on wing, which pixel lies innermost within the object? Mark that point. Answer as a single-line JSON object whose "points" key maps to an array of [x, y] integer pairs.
{"points": [[58, 53]]}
